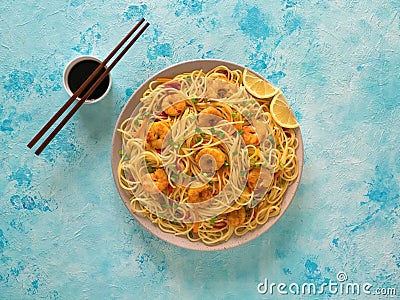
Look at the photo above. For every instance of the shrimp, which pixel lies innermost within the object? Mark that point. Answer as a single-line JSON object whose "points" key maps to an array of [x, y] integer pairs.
{"points": [[213, 159], [173, 104], [156, 134], [209, 116], [250, 136], [200, 194], [236, 217], [155, 182], [254, 176]]}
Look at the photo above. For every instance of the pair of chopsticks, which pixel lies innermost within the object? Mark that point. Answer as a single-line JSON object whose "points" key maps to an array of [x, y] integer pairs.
{"points": [[88, 82]]}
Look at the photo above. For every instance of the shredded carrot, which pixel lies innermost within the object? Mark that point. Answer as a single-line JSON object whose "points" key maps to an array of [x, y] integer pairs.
{"points": [[163, 79], [277, 174], [196, 224], [196, 227]]}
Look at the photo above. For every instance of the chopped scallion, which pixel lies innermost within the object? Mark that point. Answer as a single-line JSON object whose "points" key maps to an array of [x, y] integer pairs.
{"points": [[212, 221], [150, 169], [271, 139]]}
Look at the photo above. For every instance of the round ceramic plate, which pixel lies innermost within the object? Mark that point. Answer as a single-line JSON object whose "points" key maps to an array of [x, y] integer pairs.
{"points": [[179, 241]]}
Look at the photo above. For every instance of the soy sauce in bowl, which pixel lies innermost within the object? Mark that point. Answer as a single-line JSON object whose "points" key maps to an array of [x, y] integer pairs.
{"points": [[76, 73]]}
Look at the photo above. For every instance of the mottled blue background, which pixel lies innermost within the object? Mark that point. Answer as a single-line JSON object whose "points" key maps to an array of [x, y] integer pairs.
{"points": [[65, 233]]}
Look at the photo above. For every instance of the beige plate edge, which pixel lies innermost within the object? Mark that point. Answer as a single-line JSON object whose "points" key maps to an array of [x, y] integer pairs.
{"points": [[183, 242]]}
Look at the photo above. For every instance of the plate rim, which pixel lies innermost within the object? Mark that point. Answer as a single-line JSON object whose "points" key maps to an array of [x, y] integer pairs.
{"points": [[152, 228]]}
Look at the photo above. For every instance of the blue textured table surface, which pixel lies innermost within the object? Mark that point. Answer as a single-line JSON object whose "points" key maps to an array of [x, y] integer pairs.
{"points": [[65, 233]]}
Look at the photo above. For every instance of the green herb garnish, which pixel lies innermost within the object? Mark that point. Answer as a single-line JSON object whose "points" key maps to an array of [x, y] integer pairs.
{"points": [[212, 221], [166, 206], [253, 162], [151, 169], [271, 139], [220, 134]]}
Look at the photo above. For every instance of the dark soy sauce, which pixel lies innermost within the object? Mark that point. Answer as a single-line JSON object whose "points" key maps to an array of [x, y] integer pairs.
{"points": [[80, 72]]}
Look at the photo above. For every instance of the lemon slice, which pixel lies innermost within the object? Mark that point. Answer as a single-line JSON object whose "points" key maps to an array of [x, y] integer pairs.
{"points": [[258, 87], [282, 112]]}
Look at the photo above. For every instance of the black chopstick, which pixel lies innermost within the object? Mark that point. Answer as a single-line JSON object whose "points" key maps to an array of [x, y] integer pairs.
{"points": [[47, 126]]}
